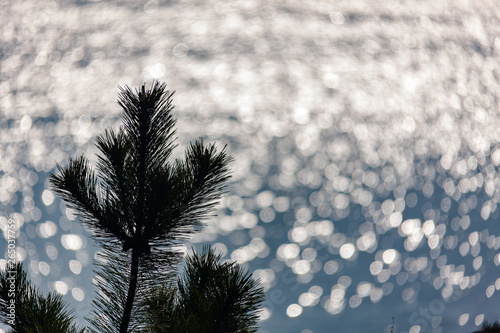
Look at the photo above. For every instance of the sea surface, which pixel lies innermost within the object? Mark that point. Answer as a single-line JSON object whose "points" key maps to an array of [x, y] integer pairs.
{"points": [[366, 139]]}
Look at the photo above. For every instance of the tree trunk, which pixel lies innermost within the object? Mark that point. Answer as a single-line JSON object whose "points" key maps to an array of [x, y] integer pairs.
{"points": [[132, 287]]}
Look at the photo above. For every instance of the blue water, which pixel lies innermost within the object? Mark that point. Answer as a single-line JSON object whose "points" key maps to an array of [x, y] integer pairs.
{"points": [[365, 139]]}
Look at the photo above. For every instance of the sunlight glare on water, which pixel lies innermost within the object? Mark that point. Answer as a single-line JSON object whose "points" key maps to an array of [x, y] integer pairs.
{"points": [[365, 137]]}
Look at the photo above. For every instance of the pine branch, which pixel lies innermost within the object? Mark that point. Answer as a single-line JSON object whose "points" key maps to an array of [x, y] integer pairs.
{"points": [[111, 281], [210, 297], [141, 204], [77, 185], [34, 313], [197, 183]]}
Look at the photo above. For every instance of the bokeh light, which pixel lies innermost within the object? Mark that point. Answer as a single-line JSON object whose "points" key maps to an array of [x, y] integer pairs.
{"points": [[366, 145]]}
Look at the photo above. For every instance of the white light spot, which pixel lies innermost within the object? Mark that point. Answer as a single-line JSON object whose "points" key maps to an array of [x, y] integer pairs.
{"points": [[428, 227], [364, 289], [306, 299], [464, 318], [47, 229], [51, 251], [71, 214], [71, 242], [25, 124], [337, 294], [61, 287], [347, 250], [44, 268], [376, 267], [355, 301], [331, 80], [265, 314], [264, 199], [220, 248], [299, 234], [157, 70], [151, 7], [301, 115], [47, 197], [433, 241], [331, 267], [395, 219], [473, 238], [309, 254], [479, 319], [180, 50], [78, 294], [248, 220], [376, 295], [409, 124], [337, 18], [497, 259], [316, 291], [415, 329], [288, 251], [267, 214], [294, 310], [389, 256], [239, 255], [301, 267], [367, 241], [409, 226], [75, 266], [345, 281], [265, 275], [281, 204], [490, 291], [477, 263]]}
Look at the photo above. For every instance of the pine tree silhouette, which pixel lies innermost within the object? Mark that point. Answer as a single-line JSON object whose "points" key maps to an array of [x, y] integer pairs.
{"points": [[140, 205], [210, 297], [490, 327], [33, 312]]}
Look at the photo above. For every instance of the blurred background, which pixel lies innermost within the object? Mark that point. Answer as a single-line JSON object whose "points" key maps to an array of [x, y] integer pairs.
{"points": [[365, 136]]}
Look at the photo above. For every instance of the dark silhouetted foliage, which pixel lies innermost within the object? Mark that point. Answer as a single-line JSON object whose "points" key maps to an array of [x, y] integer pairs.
{"points": [[34, 313], [210, 297], [140, 204], [490, 328]]}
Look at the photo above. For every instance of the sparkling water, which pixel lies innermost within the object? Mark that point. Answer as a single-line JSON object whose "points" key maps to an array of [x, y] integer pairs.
{"points": [[365, 137]]}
